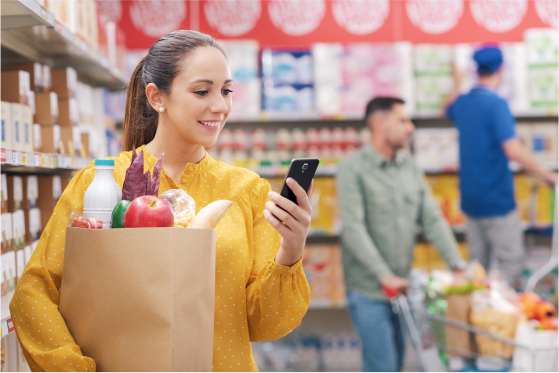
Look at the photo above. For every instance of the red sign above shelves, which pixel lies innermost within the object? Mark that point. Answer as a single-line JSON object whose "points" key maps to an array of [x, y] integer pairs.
{"points": [[286, 23]]}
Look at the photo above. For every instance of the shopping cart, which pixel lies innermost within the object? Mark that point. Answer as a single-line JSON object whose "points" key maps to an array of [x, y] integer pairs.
{"points": [[533, 351], [432, 357]]}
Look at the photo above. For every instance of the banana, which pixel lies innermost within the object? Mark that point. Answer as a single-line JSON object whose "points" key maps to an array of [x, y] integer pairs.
{"points": [[210, 216]]}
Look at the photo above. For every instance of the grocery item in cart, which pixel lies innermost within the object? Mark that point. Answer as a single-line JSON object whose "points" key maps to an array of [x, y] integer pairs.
{"points": [[497, 310]]}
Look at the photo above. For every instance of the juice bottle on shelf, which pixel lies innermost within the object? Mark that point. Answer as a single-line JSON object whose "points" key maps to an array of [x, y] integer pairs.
{"points": [[103, 194]]}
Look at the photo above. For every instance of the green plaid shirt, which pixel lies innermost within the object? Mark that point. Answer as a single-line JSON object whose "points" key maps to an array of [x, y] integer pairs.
{"points": [[382, 203]]}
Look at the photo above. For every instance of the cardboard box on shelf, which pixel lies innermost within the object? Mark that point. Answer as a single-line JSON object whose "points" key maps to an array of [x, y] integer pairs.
{"points": [[84, 149], [17, 127], [50, 190], [7, 125], [64, 82], [15, 86], [35, 71], [64, 181], [67, 140], [15, 193], [27, 118], [33, 226], [50, 138], [46, 112], [4, 194], [30, 192], [18, 227], [68, 115]]}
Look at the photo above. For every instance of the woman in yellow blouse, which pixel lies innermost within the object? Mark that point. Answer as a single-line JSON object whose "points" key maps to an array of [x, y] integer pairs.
{"points": [[178, 100]]}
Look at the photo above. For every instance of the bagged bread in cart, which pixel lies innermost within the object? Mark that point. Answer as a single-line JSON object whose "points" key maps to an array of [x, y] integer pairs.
{"points": [[498, 311]]}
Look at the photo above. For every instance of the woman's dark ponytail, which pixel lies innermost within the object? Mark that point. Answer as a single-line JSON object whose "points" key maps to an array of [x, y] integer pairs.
{"points": [[140, 120], [160, 66]]}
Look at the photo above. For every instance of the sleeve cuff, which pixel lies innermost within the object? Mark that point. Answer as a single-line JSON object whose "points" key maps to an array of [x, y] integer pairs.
{"points": [[283, 270]]}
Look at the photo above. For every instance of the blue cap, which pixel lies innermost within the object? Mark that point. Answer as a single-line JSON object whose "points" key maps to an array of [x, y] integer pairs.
{"points": [[105, 162], [488, 60]]}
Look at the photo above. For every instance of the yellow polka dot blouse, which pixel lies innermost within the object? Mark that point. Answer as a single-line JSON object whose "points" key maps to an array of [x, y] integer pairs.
{"points": [[256, 298]]}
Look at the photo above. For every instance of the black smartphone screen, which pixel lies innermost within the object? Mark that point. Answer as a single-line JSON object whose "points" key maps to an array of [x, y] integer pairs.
{"points": [[301, 170]]}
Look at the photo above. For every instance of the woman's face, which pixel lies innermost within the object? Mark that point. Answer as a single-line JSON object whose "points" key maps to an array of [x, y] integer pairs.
{"points": [[200, 99]]}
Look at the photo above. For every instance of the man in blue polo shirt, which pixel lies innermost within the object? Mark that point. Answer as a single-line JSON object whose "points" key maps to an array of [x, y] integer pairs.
{"points": [[488, 140]]}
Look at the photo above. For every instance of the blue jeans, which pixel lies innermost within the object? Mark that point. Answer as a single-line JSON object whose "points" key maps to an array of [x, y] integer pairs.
{"points": [[380, 331]]}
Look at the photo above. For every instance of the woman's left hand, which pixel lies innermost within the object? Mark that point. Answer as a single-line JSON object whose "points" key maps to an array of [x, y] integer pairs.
{"points": [[296, 220]]}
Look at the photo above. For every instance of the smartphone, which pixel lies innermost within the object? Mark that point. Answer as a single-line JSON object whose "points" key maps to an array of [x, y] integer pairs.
{"points": [[301, 170]]}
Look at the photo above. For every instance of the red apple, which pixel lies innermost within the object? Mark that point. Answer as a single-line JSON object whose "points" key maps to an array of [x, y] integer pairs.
{"points": [[148, 211]]}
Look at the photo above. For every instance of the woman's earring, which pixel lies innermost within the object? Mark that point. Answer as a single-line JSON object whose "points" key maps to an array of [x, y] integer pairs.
{"points": [[161, 109]]}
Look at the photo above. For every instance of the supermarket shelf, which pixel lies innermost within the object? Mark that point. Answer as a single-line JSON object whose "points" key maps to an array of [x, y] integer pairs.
{"points": [[17, 161], [7, 325], [31, 33], [421, 121]]}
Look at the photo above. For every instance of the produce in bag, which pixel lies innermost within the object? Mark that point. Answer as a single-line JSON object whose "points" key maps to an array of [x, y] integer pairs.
{"points": [[147, 212], [210, 216]]}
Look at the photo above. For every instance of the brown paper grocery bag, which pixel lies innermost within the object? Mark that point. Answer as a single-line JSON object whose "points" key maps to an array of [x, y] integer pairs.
{"points": [[141, 299], [459, 342]]}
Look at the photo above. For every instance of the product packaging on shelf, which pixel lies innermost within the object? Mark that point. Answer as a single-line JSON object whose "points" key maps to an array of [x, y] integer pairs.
{"points": [[76, 140], [64, 82], [433, 76], [8, 272], [7, 233], [33, 226], [20, 263], [37, 138], [18, 228], [541, 51], [35, 71], [30, 192], [15, 193], [7, 125], [15, 86], [17, 129], [3, 194], [46, 108], [323, 268], [28, 251], [47, 78], [27, 127], [50, 190], [436, 149]]}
